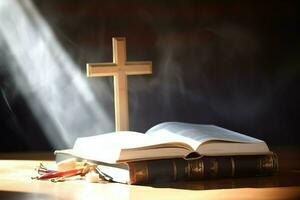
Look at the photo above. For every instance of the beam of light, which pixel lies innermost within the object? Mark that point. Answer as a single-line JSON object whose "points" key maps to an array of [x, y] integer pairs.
{"points": [[51, 83]]}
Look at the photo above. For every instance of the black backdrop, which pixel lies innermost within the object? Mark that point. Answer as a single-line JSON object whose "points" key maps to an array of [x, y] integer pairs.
{"points": [[230, 63]]}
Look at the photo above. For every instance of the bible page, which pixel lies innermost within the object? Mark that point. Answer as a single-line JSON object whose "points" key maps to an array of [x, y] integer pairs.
{"points": [[200, 133]]}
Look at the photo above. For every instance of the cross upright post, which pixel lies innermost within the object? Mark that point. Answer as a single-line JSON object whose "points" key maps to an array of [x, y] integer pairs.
{"points": [[119, 69]]}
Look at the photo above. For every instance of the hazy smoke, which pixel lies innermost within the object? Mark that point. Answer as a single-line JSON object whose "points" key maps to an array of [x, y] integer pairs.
{"points": [[55, 90], [209, 70]]}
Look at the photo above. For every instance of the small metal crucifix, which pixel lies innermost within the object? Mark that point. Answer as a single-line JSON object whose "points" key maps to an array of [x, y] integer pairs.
{"points": [[119, 69]]}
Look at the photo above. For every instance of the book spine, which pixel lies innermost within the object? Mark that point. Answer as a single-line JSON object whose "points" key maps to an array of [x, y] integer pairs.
{"points": [[172, 170]]}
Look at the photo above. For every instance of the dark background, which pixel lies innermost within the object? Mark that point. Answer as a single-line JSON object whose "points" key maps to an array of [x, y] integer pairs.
{"points": [[230, 63]]}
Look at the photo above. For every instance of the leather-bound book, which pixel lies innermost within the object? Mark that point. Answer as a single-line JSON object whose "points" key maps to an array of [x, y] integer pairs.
{"points": [[172, 170]]}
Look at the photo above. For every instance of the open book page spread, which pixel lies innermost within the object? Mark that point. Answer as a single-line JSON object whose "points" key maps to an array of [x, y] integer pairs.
{"points": [[110, 147], [212, 140], [169, 139], [132, 140], [201, 133], [107, 147]]}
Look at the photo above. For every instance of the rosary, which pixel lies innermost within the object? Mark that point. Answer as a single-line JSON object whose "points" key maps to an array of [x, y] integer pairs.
{"points": [[71, 169]]}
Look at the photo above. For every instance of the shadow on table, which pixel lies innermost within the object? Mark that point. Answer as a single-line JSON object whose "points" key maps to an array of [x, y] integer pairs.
{"points": [[24, 196], [287, 176], [286, 179]]}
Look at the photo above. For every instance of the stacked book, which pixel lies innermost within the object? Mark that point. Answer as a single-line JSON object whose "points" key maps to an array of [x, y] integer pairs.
{"points": [[174, 151]]}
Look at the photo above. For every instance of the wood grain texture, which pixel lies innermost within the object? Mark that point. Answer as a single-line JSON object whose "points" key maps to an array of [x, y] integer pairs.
{"points": [[119, 69], [15, 183], [15, 178]]}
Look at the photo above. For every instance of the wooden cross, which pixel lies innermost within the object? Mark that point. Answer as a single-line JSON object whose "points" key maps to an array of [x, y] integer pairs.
{"points": [[119, 69]]}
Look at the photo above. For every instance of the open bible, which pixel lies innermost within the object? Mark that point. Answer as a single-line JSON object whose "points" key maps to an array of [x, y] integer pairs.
{"points": [[174, 151], [166, 140]]}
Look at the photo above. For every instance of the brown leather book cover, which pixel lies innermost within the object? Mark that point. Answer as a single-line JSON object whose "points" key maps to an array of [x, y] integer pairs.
{"points": [[172, 170]]}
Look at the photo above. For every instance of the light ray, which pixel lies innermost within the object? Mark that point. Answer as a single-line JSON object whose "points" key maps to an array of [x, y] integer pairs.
{"points": [[54, 88]]}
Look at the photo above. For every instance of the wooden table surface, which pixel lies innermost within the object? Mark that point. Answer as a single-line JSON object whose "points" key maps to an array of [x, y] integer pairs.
{"points": [[16, 171]]}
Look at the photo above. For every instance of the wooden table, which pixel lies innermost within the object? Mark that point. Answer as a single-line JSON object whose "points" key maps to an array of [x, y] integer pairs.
{"points": [[15, 183]]}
